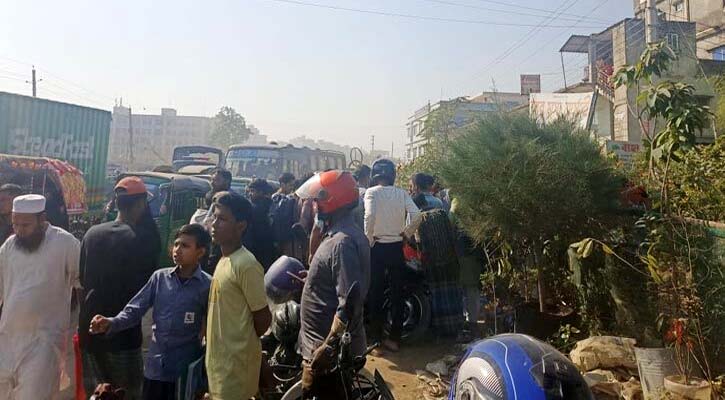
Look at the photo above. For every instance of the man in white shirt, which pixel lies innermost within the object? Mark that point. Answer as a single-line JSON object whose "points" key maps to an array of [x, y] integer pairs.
{"points": [[38, 271], [390, 215]]}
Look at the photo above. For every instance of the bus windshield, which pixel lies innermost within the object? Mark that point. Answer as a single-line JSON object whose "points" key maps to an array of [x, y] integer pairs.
{"points": [[254, 162]]}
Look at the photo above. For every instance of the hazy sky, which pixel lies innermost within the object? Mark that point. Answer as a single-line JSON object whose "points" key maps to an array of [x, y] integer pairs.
{"points": [[290, 69]]}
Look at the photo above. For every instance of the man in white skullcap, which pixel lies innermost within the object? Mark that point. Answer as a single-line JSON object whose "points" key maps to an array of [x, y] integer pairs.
{"points": [[38, 271]]}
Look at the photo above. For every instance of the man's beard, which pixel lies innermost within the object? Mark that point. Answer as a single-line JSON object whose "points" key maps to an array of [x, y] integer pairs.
{"points": [[31, 243]]}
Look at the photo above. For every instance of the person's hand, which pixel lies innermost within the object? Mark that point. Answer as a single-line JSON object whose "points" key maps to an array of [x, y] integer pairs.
{"points": [[322, 359], [99, 324]]}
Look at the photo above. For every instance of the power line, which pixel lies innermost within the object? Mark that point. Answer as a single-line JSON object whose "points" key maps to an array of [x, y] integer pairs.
{"points": [[99, 95], [516, 45], [530, 8], [509, 12], [558, 36], [416, 17]]}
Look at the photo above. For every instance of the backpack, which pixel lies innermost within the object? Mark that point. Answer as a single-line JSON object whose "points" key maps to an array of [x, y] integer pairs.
{"points": [[283, 214]]}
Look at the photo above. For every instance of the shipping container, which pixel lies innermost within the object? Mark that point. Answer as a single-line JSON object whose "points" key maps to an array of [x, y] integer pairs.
{"points": [[43, 128]]}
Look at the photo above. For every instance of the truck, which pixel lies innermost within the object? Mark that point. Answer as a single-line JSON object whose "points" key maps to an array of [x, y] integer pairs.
{"points": [[79, 135]]}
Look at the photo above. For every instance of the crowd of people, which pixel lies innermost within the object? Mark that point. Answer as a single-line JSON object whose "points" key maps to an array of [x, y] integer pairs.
{"points": [[346, 228]]}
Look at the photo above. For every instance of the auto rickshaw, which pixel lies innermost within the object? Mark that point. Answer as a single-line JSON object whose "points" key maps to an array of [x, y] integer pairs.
{"points": [[173, 198], [60, 182]]}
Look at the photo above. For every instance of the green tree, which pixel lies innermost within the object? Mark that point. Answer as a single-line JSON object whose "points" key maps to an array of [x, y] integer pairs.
{"points": [[230, 128], [536, 185], [685, 181]]}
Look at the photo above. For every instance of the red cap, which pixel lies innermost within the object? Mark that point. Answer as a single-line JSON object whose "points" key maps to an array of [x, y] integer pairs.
{"points": [[131, 185]]}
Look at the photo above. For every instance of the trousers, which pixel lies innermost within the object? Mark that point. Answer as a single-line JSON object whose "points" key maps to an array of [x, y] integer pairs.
{"points": [[386, 269]]}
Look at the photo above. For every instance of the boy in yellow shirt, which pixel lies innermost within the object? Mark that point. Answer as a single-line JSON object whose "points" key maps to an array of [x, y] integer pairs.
{"points": [[238, 313]]}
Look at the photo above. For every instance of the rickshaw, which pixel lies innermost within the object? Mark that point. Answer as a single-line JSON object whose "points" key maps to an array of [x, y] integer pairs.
{"points": [[173, 198], [60, 182]]}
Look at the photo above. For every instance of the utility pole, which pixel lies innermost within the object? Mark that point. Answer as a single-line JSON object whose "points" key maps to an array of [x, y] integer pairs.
{"points": [[34, 82], [372, 144], [650, 21], [130, 139], [392, 149]]}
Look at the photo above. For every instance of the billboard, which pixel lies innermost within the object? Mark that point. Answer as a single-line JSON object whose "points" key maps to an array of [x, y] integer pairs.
{"points": [[547, 107], [530, 84], [625, 151]]}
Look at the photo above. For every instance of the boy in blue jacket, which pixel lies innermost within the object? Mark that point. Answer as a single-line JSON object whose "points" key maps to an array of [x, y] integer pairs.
{"points": [[179, 297]]}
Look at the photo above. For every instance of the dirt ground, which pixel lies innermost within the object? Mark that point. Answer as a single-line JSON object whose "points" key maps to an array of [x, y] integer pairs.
{"points": [[398, 369]]}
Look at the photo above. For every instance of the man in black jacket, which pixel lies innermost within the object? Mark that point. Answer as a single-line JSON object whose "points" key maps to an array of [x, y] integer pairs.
{"points": [[259, 238], [117, 259]]}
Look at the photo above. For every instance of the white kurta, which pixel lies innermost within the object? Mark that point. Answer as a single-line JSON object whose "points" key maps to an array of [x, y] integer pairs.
{"points": [[35, 293]]}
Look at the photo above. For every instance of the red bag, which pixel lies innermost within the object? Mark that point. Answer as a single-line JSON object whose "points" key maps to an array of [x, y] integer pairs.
{"points": [[410, 253]]}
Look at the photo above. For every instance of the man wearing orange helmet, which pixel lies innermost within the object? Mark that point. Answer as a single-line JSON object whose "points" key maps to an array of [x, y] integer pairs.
{"points": [[342, 259]]}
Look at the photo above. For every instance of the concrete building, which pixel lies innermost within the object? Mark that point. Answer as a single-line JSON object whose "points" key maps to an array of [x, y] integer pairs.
{"points": [[614, 112], [154, 136], [462, 111], [708, 15]]}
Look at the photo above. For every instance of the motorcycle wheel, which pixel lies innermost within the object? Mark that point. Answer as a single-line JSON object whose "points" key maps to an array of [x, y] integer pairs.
{"points": [[294, 393], [367, 390], [416, 315]]}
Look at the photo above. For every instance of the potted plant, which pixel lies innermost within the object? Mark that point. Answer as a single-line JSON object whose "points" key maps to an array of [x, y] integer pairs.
{"points": [[685, 335]]}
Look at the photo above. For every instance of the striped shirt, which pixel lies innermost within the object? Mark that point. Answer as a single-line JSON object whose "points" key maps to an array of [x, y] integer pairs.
{"points": [[389, 214]]}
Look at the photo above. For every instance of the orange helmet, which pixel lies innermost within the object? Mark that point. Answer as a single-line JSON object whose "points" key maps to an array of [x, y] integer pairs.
{"points": [[333, 190]]}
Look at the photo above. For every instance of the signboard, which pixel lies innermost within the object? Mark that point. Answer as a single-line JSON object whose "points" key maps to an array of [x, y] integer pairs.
{"points": [[625, 151], [530, 84], [548, 107]]}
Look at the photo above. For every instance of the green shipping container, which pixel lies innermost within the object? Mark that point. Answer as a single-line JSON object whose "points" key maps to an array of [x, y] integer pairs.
{"points": [[43, 128]]}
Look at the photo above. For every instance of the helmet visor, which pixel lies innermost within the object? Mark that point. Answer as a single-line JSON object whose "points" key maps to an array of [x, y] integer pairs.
{"points": [[310, 189]]}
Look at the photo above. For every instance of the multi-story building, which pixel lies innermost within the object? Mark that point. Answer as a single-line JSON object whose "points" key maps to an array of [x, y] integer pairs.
{"points": [[708, 15], [461, 111], [154, 136], [614, 111]]}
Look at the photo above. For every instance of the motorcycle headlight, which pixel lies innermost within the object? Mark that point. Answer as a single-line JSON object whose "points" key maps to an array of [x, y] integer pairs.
{"points": [[478, 380]]}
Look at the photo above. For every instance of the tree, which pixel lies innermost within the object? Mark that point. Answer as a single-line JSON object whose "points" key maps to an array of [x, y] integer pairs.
{"points": [[685, 181], [535, 185], [229, 129]]}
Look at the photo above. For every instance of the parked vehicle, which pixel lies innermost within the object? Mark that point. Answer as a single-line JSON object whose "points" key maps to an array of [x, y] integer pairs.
{"points": [[270, 161], [416, 303], [195, 170], [60, 182], [35, 127], [173, 198], [358, 385], [185, 156]]}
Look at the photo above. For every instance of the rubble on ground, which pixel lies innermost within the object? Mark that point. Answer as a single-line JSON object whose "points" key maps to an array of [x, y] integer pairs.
{"points": [[609, 367], [602, 352], [435, 380]]}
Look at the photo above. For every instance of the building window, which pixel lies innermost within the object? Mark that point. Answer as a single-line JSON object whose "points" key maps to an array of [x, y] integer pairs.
{"points": [[673, 41], [678, 7], [718, 54]]}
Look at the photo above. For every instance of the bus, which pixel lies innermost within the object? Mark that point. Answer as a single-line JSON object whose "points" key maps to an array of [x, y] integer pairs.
{"points": [[185, 156], [272, 160]]}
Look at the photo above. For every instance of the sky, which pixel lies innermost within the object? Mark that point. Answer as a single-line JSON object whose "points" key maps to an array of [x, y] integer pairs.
{"points": [[293, 67]]}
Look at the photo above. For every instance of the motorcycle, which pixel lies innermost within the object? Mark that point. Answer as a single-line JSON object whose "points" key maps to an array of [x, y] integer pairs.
{"points": [[358, 385], [280, 350], [416, 300]]}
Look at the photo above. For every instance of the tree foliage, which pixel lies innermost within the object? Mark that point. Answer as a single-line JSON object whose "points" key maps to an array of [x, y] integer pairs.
{"points": [[674, 103], [530, 181], [230, 128]]}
